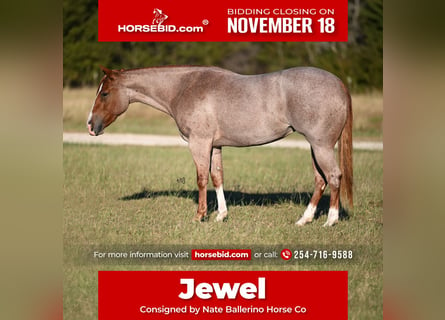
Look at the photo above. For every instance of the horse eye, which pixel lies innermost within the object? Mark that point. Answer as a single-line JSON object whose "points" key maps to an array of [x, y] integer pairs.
{"points": [[104, 94]]}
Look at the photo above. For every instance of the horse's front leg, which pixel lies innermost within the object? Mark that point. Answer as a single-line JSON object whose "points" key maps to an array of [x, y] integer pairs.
{"points": [[201, 156], [216, 172]]}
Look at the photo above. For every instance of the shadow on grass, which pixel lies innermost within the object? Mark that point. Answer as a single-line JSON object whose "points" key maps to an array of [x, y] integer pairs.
{"points": [[237, 198]]}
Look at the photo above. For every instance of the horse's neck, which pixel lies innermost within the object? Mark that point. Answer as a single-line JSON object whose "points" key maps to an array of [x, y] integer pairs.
{"points": [[156, 87]]}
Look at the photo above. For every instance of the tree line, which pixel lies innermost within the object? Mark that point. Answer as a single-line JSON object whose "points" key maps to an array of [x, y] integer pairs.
{"points": [[358, 62]]}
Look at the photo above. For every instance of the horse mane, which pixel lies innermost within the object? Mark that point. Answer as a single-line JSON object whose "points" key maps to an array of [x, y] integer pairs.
{"points": [[167, 67]]}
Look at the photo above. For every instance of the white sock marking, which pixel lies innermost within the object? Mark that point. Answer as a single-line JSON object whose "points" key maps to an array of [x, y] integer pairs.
{"points": [[308, 215], [222, 208], [332, 217]]}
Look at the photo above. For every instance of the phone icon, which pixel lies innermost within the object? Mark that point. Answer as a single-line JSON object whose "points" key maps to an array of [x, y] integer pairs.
{"points": [[286, 254]]}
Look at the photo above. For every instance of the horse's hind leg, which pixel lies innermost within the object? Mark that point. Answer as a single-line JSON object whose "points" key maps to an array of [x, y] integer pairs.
{"points": [[325, 159], [216, 172], [320, 185], [201, 156]]}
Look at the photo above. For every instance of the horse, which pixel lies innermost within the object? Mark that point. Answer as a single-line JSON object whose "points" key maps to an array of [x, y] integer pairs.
{"points": [[214, 108]]}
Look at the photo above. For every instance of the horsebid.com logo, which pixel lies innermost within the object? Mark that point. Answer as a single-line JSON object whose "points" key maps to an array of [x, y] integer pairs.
{"points": [[157, 25]]}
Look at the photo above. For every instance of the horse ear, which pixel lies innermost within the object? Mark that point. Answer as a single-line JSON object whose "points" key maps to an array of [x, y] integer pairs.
{"points": [[108, 72]]}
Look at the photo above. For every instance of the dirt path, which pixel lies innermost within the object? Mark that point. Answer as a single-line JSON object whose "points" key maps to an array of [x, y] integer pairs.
{"points": [[158, 140]]}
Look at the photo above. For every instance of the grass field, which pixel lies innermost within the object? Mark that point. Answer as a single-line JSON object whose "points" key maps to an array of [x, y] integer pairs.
{"points": [[135, 195], [367, 108]]}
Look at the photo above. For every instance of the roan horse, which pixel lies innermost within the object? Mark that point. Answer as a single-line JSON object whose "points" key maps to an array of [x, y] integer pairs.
{"points": [[214, 108]]}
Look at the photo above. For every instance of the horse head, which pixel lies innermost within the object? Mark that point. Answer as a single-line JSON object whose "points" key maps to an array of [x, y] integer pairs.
{"points": [[111, 101]]}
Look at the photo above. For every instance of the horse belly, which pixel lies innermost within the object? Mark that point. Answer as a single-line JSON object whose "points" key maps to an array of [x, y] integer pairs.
{"points": [[257, 120], [244, 136]]}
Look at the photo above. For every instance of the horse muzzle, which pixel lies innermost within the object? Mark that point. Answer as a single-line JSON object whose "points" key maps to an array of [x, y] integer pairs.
{"points": [[95, 129]]}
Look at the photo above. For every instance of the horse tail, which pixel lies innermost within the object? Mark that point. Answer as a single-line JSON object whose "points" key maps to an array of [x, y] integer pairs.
{"points": [[345, 157]]}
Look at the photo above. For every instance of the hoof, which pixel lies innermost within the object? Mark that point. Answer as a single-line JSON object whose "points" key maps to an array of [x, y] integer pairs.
{"points": [[303, 221], [332, 217], [199, 218], [221, 216], [330, 223], [308, 215]]}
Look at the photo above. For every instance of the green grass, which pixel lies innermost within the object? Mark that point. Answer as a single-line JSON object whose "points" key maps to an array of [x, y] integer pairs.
{"points": [[134, 195], [367, 108]]}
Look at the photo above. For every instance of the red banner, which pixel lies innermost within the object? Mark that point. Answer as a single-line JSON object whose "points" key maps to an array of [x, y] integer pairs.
{"points": [[223, 295], [232, 20]]}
